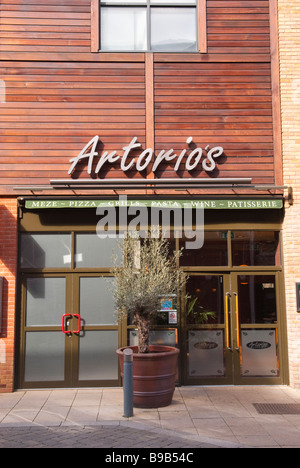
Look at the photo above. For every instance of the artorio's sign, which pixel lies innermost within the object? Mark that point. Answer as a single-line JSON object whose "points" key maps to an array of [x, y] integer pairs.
{"points": [[197, 158]]}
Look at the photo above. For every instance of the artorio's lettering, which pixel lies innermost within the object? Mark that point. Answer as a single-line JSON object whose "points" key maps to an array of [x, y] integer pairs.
{"points": [[197, 158]]}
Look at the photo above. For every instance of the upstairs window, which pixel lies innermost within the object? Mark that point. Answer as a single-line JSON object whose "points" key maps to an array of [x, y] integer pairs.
{"points": [[148, 25]]}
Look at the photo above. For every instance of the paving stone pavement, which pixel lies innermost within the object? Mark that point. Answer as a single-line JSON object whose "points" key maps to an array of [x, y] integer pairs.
{"points": [[199, 417], [91, 437]]}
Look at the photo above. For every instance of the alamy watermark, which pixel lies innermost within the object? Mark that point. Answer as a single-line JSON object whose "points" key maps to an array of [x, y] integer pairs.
{"points": [[184, 222]]}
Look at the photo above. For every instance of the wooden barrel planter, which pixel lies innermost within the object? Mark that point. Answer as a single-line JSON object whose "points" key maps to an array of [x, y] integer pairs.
{"points": [[154, 375]]}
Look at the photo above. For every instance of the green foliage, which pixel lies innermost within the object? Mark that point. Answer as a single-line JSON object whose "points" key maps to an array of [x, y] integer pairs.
{"points": [[196, 312], [149, 272]]}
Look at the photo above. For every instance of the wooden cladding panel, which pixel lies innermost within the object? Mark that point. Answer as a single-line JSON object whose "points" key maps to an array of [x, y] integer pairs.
{"points": [[238, 27], [45, 26], [60, 95], [66, 30], [228, 105], [54, 109]]}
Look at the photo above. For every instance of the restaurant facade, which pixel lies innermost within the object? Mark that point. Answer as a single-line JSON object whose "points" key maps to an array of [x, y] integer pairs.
{"points": [[121, 115]]}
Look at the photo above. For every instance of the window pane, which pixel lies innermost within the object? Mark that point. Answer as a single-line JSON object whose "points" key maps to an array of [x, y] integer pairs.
{"points": [[97, 306], [259, 353], [123, 28], [97, 355], [255, 248], [213, 252], [173, 2], [206, 353], [166, 337], [45, 250], [45, 301], [44, 356], [173, 29], [126, 2], [95, 252], [205, 303], [257, 299]]}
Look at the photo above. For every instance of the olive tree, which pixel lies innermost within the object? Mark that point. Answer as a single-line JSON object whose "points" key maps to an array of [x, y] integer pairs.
{"points": [[149, 272]]}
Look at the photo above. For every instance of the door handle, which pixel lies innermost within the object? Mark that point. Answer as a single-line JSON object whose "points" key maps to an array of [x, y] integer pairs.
{"points": [[227, 296], [79, 323], [237, 322], [67, 332]]}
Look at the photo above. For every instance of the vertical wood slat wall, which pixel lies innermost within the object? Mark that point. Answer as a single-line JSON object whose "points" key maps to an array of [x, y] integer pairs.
{"points": [[61, 92]]}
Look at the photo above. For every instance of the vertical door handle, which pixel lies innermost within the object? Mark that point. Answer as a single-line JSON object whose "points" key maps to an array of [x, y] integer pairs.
{"points": [[227, 295], [237, 322], [67, 332], [79, 323]]}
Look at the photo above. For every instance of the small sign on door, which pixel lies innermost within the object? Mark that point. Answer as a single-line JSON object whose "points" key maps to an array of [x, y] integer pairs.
{"points": [[173, 317]]}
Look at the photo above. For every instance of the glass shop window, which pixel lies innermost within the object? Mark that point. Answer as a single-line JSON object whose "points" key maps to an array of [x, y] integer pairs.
{"points": [[214, 251], [257, 297], [92, 251], [205, 299], [46, 250], [255, 248], [153, 25]]}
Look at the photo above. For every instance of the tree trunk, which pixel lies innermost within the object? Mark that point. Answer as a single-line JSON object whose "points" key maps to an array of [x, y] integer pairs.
{"points": [[143, 326]]}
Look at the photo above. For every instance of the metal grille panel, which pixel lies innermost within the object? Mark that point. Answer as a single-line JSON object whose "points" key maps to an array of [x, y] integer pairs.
{"points": [[277, 408]]}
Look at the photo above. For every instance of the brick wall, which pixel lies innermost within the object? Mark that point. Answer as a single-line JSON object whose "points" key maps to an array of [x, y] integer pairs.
{"points": [[8, 266], [289, 46]]}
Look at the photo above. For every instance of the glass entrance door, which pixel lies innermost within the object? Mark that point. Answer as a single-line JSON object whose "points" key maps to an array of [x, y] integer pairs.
{"points": [[206, 330], [255, 344], [44, 347], [231, 329], [69, 334], [97, 338]]}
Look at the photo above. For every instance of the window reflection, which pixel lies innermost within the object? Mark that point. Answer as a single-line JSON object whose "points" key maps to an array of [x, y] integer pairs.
{"points": [[45, 301], [251, 248], [204, 300], [148, 25], [173, 29], [96, 300], [213, 252], [93, 251], [257, 299], [123, 28], [55, 250], [46, 250]]}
